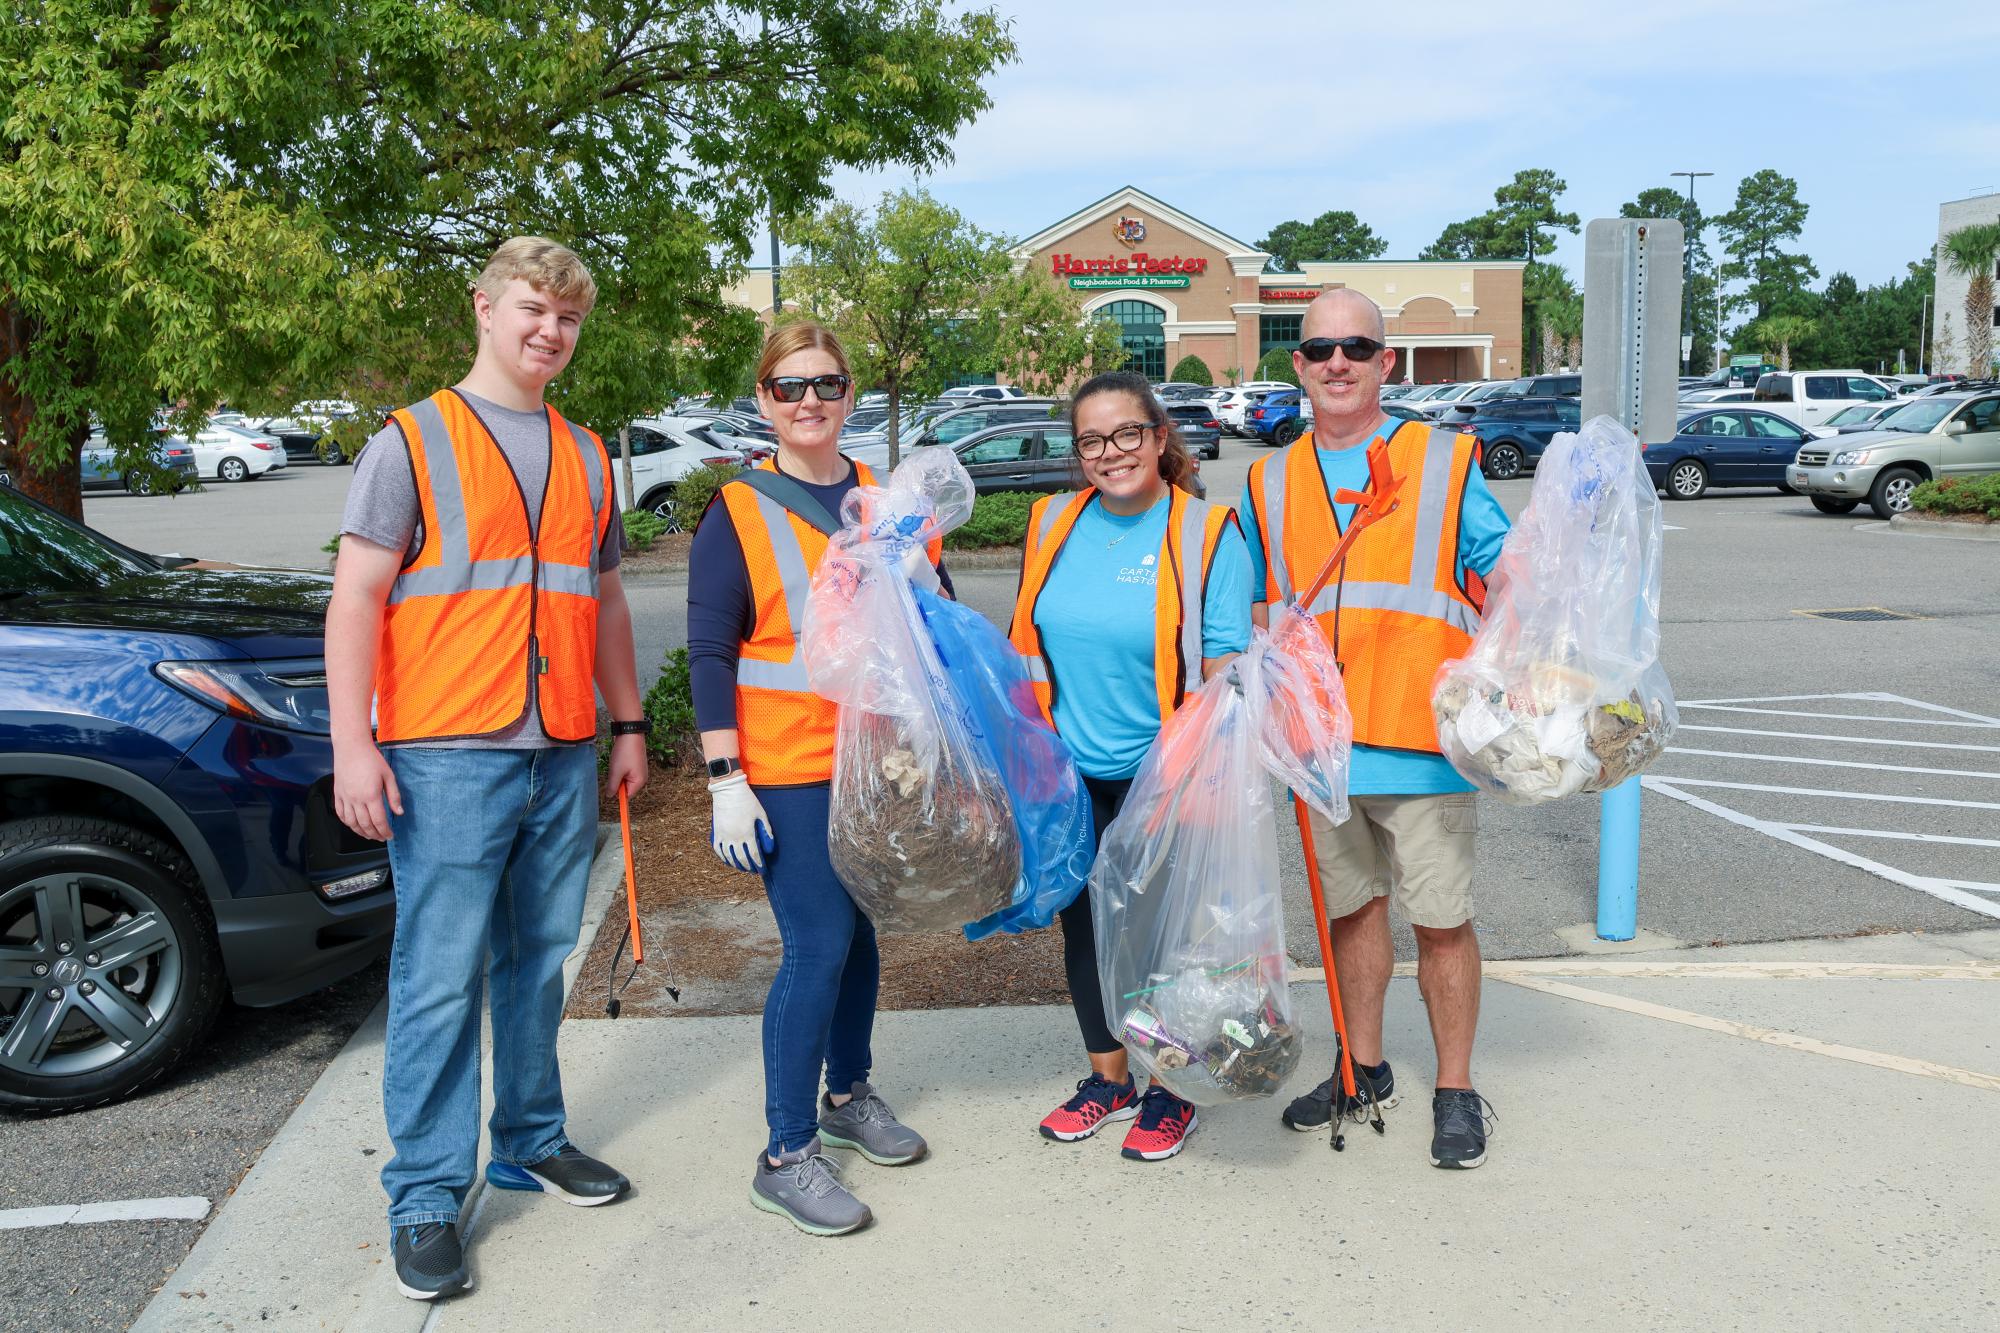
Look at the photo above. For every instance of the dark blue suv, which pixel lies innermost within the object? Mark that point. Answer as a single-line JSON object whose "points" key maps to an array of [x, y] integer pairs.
{"points": [[167, 835]]}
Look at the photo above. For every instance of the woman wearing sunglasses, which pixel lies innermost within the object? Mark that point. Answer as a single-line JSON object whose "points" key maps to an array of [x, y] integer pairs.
{"points": [[1132, 593], [768, 742]]}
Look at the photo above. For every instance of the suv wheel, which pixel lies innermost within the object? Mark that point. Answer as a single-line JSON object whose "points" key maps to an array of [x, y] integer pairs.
{"points": [[1687, 480], [1827, 505], [666, 507], [1890, 495], [1288, 431], [331, 454], [1503, 462], [137, 483], [109, 968], [232, 469]]}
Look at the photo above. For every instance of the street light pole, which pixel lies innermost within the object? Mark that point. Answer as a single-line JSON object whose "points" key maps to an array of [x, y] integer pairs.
{"points": [[1687, 274], [1923, 327]]}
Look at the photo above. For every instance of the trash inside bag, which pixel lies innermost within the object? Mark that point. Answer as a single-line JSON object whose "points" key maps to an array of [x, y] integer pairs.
{"points": [[1185, 894], [920, 829], [1051, 807], [1563, 691]]}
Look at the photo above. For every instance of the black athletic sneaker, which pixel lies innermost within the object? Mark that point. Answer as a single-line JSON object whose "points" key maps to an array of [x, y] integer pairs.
{"points": [[1314, 1110], [1463, 1119], [429, 1261]]}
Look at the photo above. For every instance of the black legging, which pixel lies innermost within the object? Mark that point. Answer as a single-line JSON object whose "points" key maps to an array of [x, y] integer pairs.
{"points": [[1086, 996]]}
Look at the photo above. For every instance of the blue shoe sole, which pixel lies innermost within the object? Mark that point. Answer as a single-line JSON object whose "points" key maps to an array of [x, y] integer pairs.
{"points": [[507, 1176]]}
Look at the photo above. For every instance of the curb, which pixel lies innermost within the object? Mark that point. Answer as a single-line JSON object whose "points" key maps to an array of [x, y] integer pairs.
{"points": [[312, 1204], [1913, 526]]}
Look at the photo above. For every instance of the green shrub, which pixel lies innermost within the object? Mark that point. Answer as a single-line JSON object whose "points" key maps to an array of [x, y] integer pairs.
{"points": [[332, 546], [1959, 495], [670, 708], [693, 492], [999, 519], [1277, 365], [642, 528], [1192, 370]]}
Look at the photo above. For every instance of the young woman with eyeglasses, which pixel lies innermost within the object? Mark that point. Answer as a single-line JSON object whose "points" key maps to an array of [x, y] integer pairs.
{"points": [[768, 741], [1132, 593]]}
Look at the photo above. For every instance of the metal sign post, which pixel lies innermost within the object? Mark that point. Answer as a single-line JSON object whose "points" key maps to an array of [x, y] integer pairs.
{"points": [[1632, 282]]}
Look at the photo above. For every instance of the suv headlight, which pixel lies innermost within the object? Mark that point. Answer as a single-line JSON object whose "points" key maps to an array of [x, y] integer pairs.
{"points": [[289, 693], [1850, 458]]}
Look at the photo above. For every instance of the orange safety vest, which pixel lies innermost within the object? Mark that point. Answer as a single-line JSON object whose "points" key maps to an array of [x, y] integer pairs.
{"points": [[490, 604], [1191, 525], [1396, 611], [784, 731]]}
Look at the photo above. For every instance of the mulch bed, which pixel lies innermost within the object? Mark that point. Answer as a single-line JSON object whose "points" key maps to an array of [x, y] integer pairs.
{"points": [[708, 930]]}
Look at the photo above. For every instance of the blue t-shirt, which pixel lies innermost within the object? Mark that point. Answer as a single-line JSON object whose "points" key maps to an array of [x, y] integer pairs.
{"points": [[1482, 527], [1096, 619]]}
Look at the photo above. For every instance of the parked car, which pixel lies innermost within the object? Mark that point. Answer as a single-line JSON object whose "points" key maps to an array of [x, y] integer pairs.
{"points": [[1199, 427], [992, 392], [1460, 408], [167, 835], [954, 425], [99, 469], [225, 455], [1545, 386], [302, 439], [1276, 419], [1402, 389], [264, 440], [1861, 416], [1401, 413], [1808, 397], [1229, 409], [1717, 396], [1514, 430], [1923, 439], [1724, 446], [664, 450]]}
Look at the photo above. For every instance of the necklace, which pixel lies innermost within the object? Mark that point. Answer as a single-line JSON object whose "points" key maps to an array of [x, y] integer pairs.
{"points": [[1119, 538]]}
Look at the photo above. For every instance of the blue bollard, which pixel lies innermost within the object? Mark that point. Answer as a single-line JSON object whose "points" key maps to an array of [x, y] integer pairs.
{"points": [[1618, 862]]}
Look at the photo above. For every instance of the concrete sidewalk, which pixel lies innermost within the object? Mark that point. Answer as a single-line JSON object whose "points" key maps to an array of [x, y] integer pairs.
{"points": [[1646, 1169]]}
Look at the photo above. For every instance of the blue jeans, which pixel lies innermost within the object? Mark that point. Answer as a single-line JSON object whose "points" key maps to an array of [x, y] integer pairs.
{"points": [[490, 857], [820, 1013]]}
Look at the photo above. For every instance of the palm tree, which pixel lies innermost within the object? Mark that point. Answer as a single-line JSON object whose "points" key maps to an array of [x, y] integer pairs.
{"points": [[1973, 251], [1781, 331]]}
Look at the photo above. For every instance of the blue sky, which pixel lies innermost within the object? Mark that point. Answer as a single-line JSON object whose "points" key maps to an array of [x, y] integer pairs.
{"points": [[1245, 114]]}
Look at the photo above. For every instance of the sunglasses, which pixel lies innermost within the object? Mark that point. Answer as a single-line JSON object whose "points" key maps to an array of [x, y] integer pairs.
{"points": [[791, 388], [1357, 348]]}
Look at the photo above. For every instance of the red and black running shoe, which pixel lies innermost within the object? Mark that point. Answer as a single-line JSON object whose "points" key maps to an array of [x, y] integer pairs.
{"points": [[1165, 1121], [1097, 1103]]}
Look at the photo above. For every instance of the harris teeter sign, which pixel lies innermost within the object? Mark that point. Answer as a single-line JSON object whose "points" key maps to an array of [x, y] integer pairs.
{"points": [[1136, 270]]}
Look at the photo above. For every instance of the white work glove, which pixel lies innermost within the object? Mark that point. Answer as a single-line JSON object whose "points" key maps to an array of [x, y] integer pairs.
{"points": [[738, 829], [917, 567]]}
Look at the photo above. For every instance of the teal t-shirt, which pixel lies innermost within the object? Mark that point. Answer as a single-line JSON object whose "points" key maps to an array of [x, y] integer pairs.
{"points": [[1482, 527], [1095, 617]]}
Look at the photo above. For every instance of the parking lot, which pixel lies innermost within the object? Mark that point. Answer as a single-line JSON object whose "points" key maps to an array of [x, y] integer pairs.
{"points": [[1832, 777]]}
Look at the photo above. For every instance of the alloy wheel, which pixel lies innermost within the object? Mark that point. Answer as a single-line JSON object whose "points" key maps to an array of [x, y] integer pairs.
{"points": [[1503, 463], [1687, 481], [668, 511], [1897, 494]]}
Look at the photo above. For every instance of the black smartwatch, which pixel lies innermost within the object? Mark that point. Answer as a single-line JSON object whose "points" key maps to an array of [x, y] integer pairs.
{"points": [[639, 728], [722, 768]]}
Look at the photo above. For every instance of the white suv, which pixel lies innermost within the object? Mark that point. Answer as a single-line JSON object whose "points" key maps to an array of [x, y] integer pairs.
{"points": [[1806, 398]]}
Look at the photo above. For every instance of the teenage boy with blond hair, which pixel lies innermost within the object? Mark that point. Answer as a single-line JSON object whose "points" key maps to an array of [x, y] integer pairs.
{"points": [[476, 612]]}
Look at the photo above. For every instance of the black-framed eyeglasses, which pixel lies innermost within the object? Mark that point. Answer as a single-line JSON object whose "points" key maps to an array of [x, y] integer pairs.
{"points": [[791, 388], [1125, 437], [1356, 348]]}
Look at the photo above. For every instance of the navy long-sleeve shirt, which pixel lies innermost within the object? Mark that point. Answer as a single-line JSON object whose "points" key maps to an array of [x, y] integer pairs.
{"points": [[721, 611]]}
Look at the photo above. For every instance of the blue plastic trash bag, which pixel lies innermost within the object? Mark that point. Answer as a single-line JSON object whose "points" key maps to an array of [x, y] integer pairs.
{"points": [[1051, 807]]}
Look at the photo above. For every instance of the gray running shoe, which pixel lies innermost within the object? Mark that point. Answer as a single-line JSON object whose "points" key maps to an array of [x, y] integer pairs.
{"points": [[430, 1262], [867, 1125], [807, 1191]]}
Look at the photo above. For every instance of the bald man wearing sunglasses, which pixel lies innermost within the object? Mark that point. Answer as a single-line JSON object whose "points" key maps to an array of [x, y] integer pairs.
{"points": [[1406, 598]]}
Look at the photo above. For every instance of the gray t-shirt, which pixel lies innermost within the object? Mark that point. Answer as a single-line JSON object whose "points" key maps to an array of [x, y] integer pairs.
{"points": [[382, 507]]}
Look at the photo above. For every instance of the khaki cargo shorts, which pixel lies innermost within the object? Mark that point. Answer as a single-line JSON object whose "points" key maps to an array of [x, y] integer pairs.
{"points": [[1418, 847]]}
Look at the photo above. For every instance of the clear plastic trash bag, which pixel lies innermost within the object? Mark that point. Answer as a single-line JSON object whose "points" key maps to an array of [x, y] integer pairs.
{"points": [[920, 829], [1051, 807], [1563, 691], [1185, 894]]}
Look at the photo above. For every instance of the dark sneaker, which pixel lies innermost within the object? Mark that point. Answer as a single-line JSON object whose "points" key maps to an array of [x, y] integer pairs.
{"points": [[429, 1261], [807, 1191], [1098, 1102], [1165, 1121], [1463, 1119], [569, 1175], [1315, 1109], [866, 1124]]}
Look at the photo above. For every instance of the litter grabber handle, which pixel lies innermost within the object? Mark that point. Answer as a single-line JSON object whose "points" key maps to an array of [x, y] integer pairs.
{"points": [[1378, 501], [631, 879], [1345, 1070]]}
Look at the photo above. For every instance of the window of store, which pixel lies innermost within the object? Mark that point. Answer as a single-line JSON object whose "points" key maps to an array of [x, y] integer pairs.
{"points": [[1144, 326], [1278, 331]]}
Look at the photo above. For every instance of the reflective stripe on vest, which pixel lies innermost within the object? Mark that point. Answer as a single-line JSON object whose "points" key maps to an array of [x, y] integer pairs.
{"points": [[1396, 612], [1192, 526], [487, 592]]}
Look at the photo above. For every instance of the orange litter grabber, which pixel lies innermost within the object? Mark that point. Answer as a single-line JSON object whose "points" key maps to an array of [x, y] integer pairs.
{"points": [[1376, 502], [611, 1005]]}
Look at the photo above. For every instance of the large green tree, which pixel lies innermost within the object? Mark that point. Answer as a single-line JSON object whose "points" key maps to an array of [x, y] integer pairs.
{"points": [[1768, 215], [1526, 212], [1334, 235], [1972, 252], [243, 200]]}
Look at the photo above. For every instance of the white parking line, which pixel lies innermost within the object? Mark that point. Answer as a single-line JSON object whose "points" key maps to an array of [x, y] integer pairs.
{"points": [[187, 1208], [1836, 763], [1890, 833], [1838, 795], [1985, 725], [1844, 740]]}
